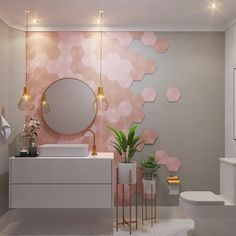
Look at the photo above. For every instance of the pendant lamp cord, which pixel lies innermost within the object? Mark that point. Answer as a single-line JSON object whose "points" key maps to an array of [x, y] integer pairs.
{"points": [[26, 46], [101, 42]]}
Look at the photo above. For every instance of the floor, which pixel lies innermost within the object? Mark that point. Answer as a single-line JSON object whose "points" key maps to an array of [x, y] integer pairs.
{"points": [[165, 227], [69, 222]]}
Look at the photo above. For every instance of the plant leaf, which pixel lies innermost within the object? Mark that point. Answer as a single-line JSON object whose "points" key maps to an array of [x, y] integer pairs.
{"points": [[114, 131], [131, 137], [117, 149], [135, 140], [117, 145]]}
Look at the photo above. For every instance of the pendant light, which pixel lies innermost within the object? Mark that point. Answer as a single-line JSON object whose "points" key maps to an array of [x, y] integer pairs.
{"points": [[45, 108], [25, 103], [100, 103]]}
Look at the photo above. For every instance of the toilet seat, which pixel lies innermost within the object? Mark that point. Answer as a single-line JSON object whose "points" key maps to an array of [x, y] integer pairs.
{"points": [[201, 198]]}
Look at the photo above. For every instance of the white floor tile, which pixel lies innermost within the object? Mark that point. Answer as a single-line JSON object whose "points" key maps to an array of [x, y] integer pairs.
{"points": [[69, 222]]}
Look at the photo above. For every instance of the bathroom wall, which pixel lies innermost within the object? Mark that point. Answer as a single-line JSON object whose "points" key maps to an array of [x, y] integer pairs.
{"points": [[4, 77], [230, 63], [189, 130], [12, 59]]}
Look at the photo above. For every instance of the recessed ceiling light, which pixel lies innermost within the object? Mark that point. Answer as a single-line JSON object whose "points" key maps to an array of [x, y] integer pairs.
{"points": [[213, 5], [35, 21]]}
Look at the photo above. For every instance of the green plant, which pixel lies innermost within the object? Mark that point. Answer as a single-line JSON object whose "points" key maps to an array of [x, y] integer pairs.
{"points": [[126, 146], [150, 167]]}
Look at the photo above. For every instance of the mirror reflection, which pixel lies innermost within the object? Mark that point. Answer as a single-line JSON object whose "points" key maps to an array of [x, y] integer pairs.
{"points": [[71, 106]]}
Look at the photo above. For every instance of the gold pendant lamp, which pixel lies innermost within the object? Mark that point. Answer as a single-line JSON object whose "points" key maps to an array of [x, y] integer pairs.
{"points": [[25, 103], [45, 108], [100, 103]]}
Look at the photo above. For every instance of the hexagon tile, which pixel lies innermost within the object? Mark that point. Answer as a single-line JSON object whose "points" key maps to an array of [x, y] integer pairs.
{"points": [[161, 46], [149, 38], [171, 163], [149, 136], [173, 94], [149, 94], [161, 156], [124, 38]]}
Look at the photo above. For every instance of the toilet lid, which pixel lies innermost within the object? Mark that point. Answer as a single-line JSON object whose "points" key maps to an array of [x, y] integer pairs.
{"points": [[201, 198]]}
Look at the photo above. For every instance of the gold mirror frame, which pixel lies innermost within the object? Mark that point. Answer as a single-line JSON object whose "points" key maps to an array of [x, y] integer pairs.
{"points": [[57, 103]]}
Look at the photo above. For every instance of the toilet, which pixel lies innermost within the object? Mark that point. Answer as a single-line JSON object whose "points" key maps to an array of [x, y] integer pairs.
{"points": [[214, 215]]}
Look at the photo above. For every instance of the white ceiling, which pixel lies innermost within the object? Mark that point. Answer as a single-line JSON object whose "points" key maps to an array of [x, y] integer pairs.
{"points": [[167, 15]]}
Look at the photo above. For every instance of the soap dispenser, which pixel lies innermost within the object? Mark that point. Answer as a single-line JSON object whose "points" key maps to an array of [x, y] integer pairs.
{"points": [[33, 150]]}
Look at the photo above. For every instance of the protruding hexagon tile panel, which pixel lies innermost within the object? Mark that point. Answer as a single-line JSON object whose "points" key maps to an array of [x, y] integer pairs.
{"points": [[138, 116], [151, 66], [161, 156], [173, 94], [149, 94], [149, 38], [140, 101], [171, 163], [161, 46], [149, 136], [137, 75], [137, 34]]}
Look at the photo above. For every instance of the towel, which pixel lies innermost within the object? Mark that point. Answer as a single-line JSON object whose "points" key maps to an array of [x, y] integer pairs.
{"points": [[5, 130]]}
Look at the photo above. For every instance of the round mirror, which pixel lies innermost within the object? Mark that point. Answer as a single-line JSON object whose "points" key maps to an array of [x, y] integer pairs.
{"points": [[71, 106]]}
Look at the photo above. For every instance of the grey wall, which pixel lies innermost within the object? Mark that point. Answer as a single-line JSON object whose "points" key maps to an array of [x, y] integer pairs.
{"points": [[193, 128], [12, 58], [230, 63], [16, 84], [4, 77]]}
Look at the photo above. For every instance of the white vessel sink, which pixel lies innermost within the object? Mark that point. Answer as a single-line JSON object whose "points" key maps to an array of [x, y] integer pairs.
{"points": [[63, 150]]}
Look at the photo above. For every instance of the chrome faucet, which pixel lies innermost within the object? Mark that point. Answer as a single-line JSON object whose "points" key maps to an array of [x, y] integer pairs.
{"points": [[94, 149]]}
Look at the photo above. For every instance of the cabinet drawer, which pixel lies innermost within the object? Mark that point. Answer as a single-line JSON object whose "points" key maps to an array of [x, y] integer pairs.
{"points": [[61, 196], [61, 171]]}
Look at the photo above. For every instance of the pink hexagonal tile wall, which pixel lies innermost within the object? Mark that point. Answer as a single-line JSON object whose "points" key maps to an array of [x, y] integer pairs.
{"points": [[53, 55], [173, 94]]}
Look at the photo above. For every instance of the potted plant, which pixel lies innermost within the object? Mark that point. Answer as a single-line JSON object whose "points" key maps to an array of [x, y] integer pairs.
{"points": [[150, 166], [126, 146]]}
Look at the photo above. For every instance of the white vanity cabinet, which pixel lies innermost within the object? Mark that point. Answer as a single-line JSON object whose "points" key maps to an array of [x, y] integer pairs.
{"points": [[61, 182]]}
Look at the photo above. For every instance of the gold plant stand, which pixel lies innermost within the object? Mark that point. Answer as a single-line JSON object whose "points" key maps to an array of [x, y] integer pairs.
{"points": [[125, 221], [153, 207]]}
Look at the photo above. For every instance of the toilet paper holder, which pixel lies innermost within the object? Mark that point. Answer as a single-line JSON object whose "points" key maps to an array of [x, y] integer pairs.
{"points": [[173, 184]]}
